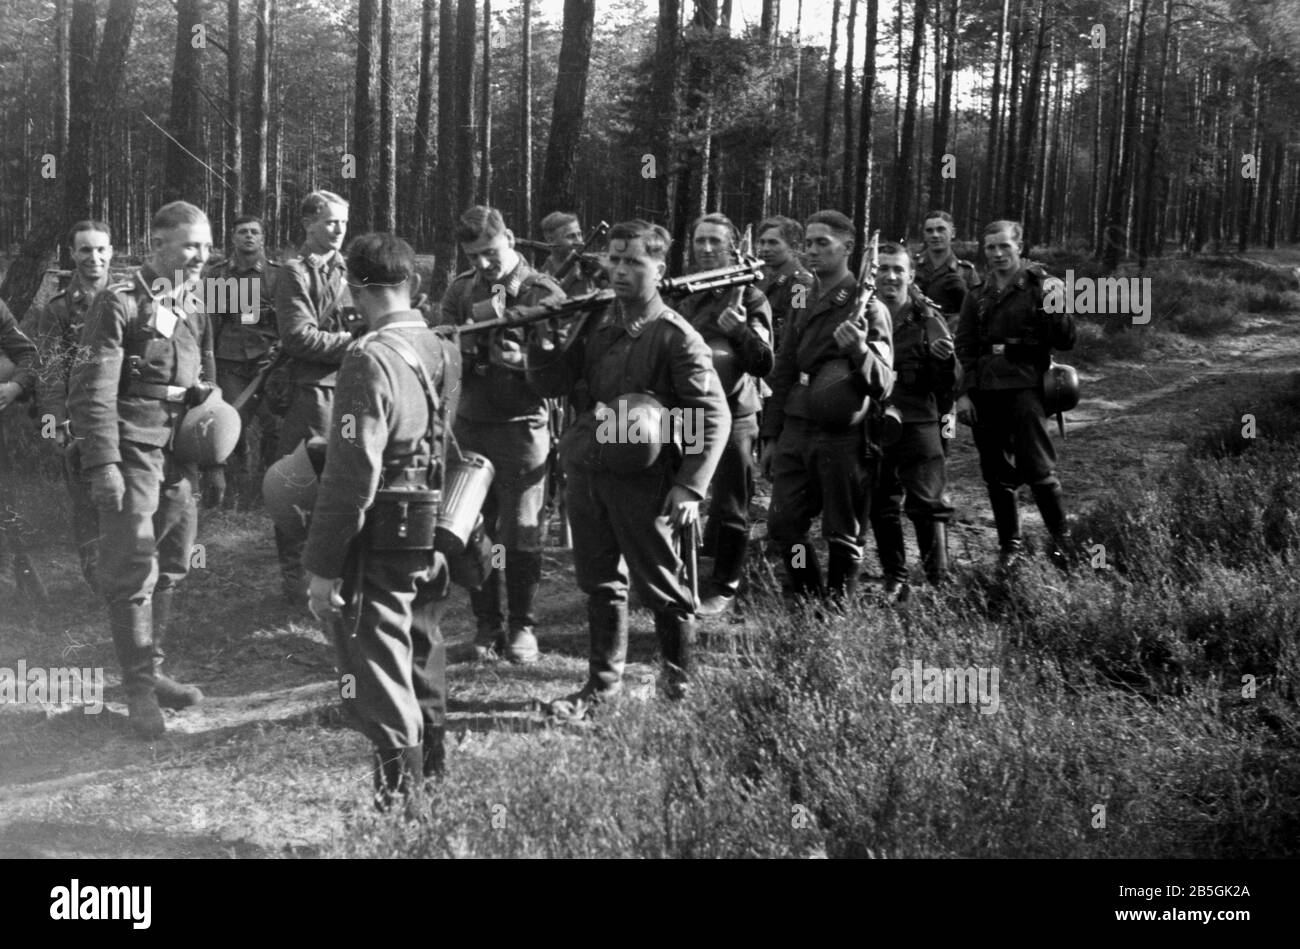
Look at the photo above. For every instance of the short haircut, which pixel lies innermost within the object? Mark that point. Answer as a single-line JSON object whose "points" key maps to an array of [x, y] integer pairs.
{"points": [[791, 230], [379, 258], [721, 220], [247, 219], [1017, 232], [556, 220], [479, 222], [318, 201], [942, 215], [87, 225], [835, 220], [889, 247], [176, 214], [655, 238]]}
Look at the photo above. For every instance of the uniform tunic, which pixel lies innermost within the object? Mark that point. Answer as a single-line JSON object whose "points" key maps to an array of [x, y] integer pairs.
{"points": [[946, 283], [784, 294], [20, 350], [392, 645]]}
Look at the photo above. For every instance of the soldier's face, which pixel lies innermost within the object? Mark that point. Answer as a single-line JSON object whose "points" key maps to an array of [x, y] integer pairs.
{"points": [[893, 277], [565, 239], [827, 251], [492, 257], [325, 232], [248, 238], [633, 274], [938, 234], [91, 252], [772, 248], [184, 249], [1002, 251], [712, 246]]}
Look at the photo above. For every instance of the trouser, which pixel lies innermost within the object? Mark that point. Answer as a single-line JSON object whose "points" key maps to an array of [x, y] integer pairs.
{"points": [[308, 417], [618, 532], [512, 516], [392, 661], [913, 478], [233, 376], [831, 473], [732, 489], [85, 516]]}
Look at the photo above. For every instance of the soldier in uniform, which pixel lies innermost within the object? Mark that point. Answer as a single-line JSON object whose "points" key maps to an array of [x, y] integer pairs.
{"points": [[398, 385], [925, 364], [149, 356], [243, 324], [817, 466], [939, 274], [623, 520], [312, 307], [56, 328], [783, 275], [22, 352], [1004, 343], [740, 336], [564, 233], [505, 419]]}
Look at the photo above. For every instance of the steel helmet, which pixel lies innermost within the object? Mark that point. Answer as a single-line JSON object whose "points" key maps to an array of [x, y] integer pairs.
{"points": [[1060, 388], [209, 432], [726, 365], [289, 490], [835, 399], [631, 432]]}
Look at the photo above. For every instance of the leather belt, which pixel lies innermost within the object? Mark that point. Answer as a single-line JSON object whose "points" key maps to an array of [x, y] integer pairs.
{"points": [[150, 391], [1000, 349]]}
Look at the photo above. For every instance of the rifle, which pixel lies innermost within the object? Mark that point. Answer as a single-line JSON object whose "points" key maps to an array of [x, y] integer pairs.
{"points": [[867, 280], [746, 254], [687, 551], [246, 402]]}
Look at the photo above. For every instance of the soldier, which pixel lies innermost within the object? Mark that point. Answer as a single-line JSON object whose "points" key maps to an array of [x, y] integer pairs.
{"points": [[312, 309], [564, 233], [243, 324], [818, 464], [939, 274], [1004, 343], [503, 418], [149, 356], [740, 339], [625, 497], [56, 328], [925, 364], [397, 387], [21, 351], [783, 274]]}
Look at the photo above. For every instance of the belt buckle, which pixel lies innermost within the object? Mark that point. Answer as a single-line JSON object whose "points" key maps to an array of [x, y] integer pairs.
{"points": [[803, 379], [999, 349]]}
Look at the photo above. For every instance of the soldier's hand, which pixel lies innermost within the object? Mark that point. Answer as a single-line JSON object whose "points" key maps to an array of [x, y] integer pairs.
{"points": [[324, 597], [553, 301], [681, 507], [214, 486], [851, 338], [731, 320], [965, 410], [107, 487], [9, 393], [942, 348], [766, 452]]}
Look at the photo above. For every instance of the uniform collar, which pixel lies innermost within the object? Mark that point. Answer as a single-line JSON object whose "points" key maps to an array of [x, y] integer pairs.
{"points": [[843, 288], [635, 327], [258, 265], [79, 290], [948, 263], [323, 261], [183, 303], [513, 281]]}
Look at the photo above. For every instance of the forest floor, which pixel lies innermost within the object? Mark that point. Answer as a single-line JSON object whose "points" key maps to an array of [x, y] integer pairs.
{"points": [[266, 767]]}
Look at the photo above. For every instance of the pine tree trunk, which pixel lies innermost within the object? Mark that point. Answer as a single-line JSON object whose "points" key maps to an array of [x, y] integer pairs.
{"points": [[524, 213], [845, 196], [466, 31], [986, 204], [386, 213], [570, 103], [183, 177], [862, 176], [903, 175], [485, 112], [255, 183], [415, 223], [828, 101], [234, 119]]}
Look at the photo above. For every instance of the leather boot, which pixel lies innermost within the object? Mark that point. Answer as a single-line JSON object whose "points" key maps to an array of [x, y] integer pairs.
{"points": [[932, 538], [489, 619], [170, 693], [397, 775], [434, 764], [842, 573], [728, 568], [1051, 504], [608, 625], [676, 635], [806, 580], [523, 577], [1006, 515], [132, 628], [893, 556], [293, 582]]}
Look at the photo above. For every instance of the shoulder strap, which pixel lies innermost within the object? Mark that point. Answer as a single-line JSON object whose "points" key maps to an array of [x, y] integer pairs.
{"points": [[408, 355]]}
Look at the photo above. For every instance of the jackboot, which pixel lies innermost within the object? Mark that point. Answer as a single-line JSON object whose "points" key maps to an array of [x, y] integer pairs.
{"points": [[132, 629], [608, 626], [293, 582], [523, 577], [842, 571], [434, 764], [676, 635], [805, 580], [728, 568], [1051, 504], [1006, 515], [932, 538], [490, 621], [398, 773], [893, 556], [170, 693]]}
